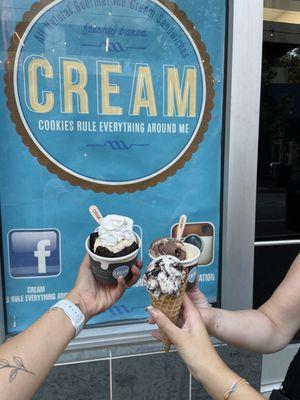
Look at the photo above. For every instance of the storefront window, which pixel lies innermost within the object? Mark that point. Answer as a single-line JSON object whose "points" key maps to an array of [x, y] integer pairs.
{"points": [[278, 185], [278, 179], [114, 103]]}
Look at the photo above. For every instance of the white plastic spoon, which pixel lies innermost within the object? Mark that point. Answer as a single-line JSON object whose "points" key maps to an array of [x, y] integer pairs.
{"points": [[96, 214], [181, 226]]}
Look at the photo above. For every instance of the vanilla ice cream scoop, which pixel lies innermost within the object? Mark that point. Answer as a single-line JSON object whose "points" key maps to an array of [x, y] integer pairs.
{"points": [[115, 234], [164, 276]]}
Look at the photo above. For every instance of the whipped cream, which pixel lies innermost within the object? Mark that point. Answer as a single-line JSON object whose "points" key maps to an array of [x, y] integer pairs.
{"points": [[164, 276], [115, 233]]}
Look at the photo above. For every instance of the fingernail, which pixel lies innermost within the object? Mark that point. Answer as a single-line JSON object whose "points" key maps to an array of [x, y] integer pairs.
{"points": [[151, 310]]}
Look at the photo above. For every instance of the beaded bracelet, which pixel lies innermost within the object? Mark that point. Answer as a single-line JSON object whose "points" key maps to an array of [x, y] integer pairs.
{"points": [[236, 384]]}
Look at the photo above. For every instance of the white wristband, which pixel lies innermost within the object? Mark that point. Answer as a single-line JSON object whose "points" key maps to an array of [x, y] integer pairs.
{"points": [[73, 312]]}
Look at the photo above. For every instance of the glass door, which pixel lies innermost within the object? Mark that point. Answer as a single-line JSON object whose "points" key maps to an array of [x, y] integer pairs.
{"points": [[277, 238], [278, 179]]}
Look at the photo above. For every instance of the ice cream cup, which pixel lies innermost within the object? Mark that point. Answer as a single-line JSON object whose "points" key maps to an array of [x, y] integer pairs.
{"points": [[191, 262], [107, 270]]}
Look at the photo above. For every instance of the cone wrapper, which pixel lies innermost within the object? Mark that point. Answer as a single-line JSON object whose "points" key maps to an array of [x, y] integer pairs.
{"points": [[170, 306]]}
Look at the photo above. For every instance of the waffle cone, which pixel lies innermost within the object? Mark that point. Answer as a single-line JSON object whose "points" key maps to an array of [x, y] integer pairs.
{"points": [[170, 306]]}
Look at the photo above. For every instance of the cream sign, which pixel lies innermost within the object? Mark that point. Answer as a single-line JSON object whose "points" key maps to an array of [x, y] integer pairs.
{"points": [[111, 95]]}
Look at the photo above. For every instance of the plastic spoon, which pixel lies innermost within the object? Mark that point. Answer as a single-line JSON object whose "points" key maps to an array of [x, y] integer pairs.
{"points": [[181, 226], [96, 214]]}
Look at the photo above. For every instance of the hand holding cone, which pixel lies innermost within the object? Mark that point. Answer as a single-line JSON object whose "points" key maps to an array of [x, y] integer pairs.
{"points": [[166, 281], [170, 306]]}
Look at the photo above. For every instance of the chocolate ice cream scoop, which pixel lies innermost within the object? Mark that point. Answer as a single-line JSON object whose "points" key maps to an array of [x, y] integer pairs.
{"points": [[168, 246]]}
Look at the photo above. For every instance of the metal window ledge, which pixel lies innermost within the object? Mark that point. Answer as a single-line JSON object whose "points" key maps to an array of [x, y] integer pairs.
{"points": [[104, 337]]}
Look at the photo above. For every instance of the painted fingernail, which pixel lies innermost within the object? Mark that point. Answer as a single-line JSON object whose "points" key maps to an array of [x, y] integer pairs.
{"points": [[151, 310]]}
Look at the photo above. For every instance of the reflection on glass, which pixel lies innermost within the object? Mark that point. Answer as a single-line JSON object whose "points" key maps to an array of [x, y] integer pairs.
{"points": [[278, 191]]}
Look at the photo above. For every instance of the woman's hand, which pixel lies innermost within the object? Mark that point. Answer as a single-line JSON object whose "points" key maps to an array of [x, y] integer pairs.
{"points": [[192, 340], [194, 346], [208, 313], [94, 297]]}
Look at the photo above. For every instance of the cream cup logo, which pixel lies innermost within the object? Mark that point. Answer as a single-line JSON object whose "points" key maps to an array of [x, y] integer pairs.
{"points": [[113, 96], [120, 271], [192, 275]]}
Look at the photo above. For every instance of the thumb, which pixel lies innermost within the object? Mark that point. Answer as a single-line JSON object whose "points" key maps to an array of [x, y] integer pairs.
{"points": [[163, 322], [199, 299], [189, 308], [191, 314], [84, 266]]}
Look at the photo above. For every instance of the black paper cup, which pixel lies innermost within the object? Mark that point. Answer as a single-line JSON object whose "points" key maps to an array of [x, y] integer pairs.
{"points": [[107, 270]]}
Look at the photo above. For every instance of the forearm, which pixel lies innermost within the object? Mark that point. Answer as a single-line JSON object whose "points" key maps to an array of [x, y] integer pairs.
{"points": [[217, 378], [268, 329], [249, 329], [28, 358], [210, 370]]}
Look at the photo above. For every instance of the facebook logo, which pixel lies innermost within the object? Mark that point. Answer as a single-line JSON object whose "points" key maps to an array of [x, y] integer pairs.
{"points": [[34, 253]]}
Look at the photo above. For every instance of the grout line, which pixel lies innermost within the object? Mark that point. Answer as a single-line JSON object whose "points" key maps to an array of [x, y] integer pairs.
{"points": [[143, 354], [112, 357], [190, 387], [61, 364], [110, 377]]}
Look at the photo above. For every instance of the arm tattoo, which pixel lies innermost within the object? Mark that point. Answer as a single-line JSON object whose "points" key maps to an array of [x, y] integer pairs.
{"points": [[19, 366]]}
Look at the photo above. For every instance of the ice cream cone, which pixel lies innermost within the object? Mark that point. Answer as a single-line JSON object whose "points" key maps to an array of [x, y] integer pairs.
{"points": [[170, 306]]}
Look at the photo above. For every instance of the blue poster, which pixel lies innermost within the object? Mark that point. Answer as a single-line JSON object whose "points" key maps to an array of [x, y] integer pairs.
{"points": [[116, 103]]}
